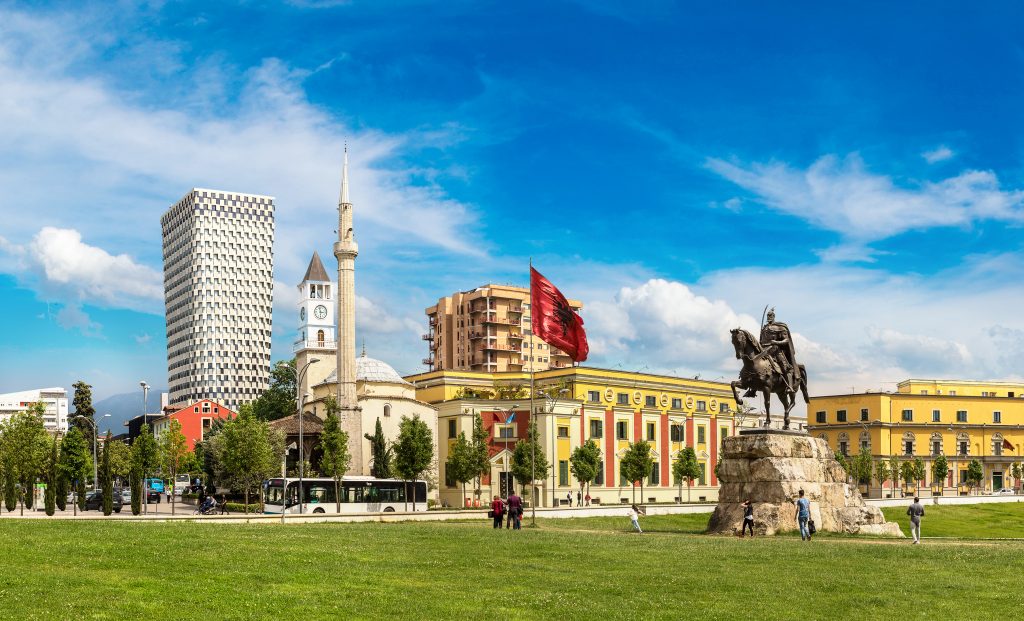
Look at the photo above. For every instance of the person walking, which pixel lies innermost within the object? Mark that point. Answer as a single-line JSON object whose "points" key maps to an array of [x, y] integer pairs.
{"points": [[803, 514], [916, 512], [587, 499], [579, 498], [223, 505], [748, 518], [497, 510], [634, 516], [568, 498], [515, 511]]}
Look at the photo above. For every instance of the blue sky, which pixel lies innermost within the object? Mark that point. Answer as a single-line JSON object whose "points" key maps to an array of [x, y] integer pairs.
{"points": [[676, 168]]}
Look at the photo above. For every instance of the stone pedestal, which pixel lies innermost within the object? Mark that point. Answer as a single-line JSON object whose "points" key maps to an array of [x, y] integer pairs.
{"points": [[771, 468]]}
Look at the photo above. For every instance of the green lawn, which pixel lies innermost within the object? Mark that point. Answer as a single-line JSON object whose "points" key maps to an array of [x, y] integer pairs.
{"points": [[996, 520], [589, 568]]}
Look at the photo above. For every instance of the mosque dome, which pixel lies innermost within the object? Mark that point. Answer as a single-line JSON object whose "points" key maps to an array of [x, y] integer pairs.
{"points": [[371, 370]]}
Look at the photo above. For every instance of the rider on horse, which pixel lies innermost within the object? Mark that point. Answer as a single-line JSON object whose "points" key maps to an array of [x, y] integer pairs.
{"points": [[778, 349]]}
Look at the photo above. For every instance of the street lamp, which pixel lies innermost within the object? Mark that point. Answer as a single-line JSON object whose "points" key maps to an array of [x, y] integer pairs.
{"points": [[511, 486], [95, 456], [299, 402], [551, 402], [302, 447], [145, 482]]}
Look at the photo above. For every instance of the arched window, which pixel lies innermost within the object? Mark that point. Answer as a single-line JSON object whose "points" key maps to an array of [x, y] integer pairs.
{"points": [[387, 410], [320, 337], [865, 441], [997, 444], [936, 444], [963, 443], [844, 443], [909, 444]]}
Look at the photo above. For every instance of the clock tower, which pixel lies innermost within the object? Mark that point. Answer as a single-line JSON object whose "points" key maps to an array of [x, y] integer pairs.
{"points": [[317, 325]]}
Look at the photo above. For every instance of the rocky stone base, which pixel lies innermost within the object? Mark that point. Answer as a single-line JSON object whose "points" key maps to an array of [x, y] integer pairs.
{"points": [[770, 469]]}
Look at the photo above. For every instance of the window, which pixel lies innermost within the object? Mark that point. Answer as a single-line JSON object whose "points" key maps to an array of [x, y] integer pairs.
{"points": [[844, 449], [961, 448], [908, 415], [677, 404], [387, 410], [724, 408], [841, 416], [596, 429], [700, 435], [952, 393], [702, 478], [651, 402], [723, 433], [908, 447], [622, 398], [961, 416], [864, 414], [622, 478], [449, 481], [599, 478], [650, 432], [702, 406], [506, 431], [924, 392], [819, 417], [563, 432], [655, 474], [621, 430], [451, 427], [563, 472], [936, 447], [676, 433], [936, 416], [997, 417], [594, 396]]}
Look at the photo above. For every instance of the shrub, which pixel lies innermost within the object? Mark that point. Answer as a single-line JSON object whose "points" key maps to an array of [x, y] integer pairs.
{"points": [[239, 507]]}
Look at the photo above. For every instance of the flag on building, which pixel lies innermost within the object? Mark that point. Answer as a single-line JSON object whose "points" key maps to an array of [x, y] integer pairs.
{"points": [[554, 320], [511, 417], [1007, 444]]}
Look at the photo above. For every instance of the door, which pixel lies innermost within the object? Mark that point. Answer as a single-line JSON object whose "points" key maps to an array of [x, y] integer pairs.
{"points": [[997, 481]]}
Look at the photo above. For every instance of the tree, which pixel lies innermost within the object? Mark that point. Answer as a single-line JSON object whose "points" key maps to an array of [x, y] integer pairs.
{"points": [[1015, 472], [636, 465], [882, 473], [861, 466], [975, 473], [509, 391], [845, 463], [918, 470], [135, 485], [278, 400], [172, 450], [248, 452], [524, 466], [940, 469], [413, 451], [107, 478], [461, 463], [380, 453], [73, 463], [906, 474], [25, 451], [120, 460], [481, 452], [10, 491], [145, 457], [83, 407], [686, 467], [50, 500], [584, 462], [334, 444], [894, 472]]}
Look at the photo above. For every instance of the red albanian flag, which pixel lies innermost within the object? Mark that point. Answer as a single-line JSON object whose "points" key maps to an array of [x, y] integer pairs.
{"points": [[554, 320]]}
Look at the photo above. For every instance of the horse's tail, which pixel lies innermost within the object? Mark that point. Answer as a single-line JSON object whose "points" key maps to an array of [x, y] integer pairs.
{"points": [[803, 383]]}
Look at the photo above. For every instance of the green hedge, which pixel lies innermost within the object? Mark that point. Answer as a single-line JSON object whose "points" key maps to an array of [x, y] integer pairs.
{"points": [[239, 507]]}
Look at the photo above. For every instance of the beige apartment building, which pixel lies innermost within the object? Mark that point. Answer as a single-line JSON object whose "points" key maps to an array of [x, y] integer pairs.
{"points": [[487, 329]]}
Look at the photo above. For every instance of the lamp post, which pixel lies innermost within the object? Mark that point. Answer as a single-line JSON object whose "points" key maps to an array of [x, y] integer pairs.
{"points": [[95, 456], [145, 483], [300, 399], [511, 484], [302, 446], [551, 402]]}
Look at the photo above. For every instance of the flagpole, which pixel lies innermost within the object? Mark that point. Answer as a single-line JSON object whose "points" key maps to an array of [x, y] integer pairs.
{"points": [[533, 410]]}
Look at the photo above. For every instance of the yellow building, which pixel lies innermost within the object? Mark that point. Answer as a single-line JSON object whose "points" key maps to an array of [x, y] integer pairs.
{"points": [[488, 329], [962, 420], [611, 407]]}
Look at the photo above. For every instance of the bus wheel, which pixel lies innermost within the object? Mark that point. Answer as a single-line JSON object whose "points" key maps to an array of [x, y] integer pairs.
{"points": [[389, 509], [318, 510]]}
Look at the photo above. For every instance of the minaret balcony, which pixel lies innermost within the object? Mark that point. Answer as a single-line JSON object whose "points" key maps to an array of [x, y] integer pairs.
{"points": [[314, 344]]}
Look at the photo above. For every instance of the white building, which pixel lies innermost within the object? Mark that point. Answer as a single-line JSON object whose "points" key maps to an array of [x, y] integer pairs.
{"points": [[218, 293], [56, 399]]}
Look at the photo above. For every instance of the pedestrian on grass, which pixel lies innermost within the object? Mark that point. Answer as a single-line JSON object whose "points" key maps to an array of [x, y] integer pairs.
{"points": [[634, 516], [803, 514], [579, 499], [748, 518], [497, 510], [515, 511], [916, 512]]}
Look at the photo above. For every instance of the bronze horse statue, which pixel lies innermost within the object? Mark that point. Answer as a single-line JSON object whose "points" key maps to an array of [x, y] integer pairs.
{"points": [[759, 375]]}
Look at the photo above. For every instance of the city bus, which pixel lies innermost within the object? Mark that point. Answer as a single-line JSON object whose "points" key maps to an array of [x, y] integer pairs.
{"points": [[359, 494]]}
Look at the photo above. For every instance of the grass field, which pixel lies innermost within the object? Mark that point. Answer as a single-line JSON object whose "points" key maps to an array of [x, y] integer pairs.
{"points": [[997, 520], [589, 568]]}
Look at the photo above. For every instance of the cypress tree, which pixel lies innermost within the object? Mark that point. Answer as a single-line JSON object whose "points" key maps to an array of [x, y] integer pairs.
{"points": [[108, 480], [135, 482], [51, 480], [10, 491], [380, 452]]}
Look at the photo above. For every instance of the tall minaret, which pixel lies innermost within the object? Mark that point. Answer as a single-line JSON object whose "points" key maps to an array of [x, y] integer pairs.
{"points": [[345, 250]]}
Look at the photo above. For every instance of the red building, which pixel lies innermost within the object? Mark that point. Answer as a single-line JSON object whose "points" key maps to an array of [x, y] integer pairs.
{"points": [[196, 419]]}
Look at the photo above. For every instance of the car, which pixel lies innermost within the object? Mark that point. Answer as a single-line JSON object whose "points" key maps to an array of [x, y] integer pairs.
{"points": [[1006, 491], [126, 496], [94, 502]]}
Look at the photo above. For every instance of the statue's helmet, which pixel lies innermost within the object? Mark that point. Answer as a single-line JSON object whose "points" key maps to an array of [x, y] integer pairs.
{"points": [[771, 314]]}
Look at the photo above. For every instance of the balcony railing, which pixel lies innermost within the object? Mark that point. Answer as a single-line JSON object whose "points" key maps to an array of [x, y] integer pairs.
{"points": [[515, 336], [428, 361], [301, 344], [515, 309], [427, 337], [498, 347], [502, 320], [476, 335]]}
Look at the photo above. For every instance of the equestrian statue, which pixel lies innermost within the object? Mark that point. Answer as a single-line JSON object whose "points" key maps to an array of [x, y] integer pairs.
{"points": [[769, 366]]}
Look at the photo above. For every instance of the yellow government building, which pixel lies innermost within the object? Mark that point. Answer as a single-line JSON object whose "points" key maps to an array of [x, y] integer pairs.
{"points": [[611, 407], [962, 420]]}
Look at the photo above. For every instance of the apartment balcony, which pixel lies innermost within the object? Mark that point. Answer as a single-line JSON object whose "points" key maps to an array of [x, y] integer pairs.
{"points": [[476, 335], [428, 361], [427, 337], [515, 336], [433, 321], [500, 320], [480, 309], [558, 352], [498, 347], [515, 309]]}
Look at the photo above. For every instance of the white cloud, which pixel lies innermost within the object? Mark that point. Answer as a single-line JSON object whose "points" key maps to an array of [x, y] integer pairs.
{"points": [[143, 339], [74, 318], [841, 195], [938, 154], [925, 354]]}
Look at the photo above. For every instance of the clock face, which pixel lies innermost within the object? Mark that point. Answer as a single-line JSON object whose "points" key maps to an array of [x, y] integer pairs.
{"points": [[302, 314], [320, 311]]}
